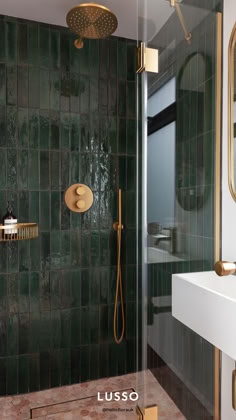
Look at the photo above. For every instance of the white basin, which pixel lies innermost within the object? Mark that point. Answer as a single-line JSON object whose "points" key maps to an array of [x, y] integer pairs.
{"points": [[206, 303]]}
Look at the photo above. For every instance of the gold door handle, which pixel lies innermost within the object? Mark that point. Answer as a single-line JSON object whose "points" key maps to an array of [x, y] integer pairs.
{"points": [[224, 268]]}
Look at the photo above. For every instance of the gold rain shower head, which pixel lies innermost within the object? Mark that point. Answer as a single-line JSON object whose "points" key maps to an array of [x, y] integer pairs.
{"points": [[91, 20]]}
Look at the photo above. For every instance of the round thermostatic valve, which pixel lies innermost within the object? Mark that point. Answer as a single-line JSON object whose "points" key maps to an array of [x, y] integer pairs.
{"points": [[73, 193]]}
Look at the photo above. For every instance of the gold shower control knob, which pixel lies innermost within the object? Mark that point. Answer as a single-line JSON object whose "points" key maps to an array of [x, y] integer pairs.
{"points": [[80, 191], [80, 204], [224, 268]]}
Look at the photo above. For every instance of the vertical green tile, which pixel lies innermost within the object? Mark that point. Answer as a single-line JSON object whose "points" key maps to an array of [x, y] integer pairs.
{"points": [[11, 85], [75, 288], [84, 57], [122, 55], [44, 130], [12, 288], [23, 127], [113, 44], [103, 97], [3, 139], [85, 249], [54, 130], [65, 246], [55, 49], [75, 365], [3, 168], [55, 250], [75, 331], [33, 44], [131, 61], [11, 132], [55, 170], [55, 90], [23, 206], [55, 210], [75, 132], [44, 170], [22, 40], [131, 100], [84, 134], [45, 254], [75, 249], [65, 91], [34, 364], [34, 169], [104, 58], [2, 41], [65, 130], [33, 128], [55, 376], [34, 288], [24, 256], [74, 56], [2, 84], [85, 365], [66, 320], [85, 326], [12, 375], [65, 366], [12, 335], [56, 329], [24, 374], [122, 136], [44, 89], [93, 58], [44, 367], [44, 34], [22, 86], [3, 294], [23, 333], [65, 170], [66, 289], [74, 92], [11, 41], [65, 51], [34, 87], [44, 210], [12, 168], [84, 94], [3, 332]]}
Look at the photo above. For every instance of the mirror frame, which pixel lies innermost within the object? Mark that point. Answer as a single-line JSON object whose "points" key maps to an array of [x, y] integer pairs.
{"points": [[231, 69]]}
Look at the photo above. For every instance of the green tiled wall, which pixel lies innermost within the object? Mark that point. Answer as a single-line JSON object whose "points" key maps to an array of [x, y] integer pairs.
{"points": [[66, 116]]}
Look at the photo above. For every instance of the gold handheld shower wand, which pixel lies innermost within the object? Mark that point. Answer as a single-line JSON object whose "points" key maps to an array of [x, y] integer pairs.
{"points": [[118, 227]]}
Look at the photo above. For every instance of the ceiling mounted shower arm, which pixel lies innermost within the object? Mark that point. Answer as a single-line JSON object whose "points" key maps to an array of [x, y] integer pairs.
{"points": [[175, 3]]}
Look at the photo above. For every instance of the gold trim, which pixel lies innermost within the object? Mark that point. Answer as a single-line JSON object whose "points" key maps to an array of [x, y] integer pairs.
{"points": [[18, 232], [73, 200], [148, 413], [146, 59], [218, 194], [232, 42]]}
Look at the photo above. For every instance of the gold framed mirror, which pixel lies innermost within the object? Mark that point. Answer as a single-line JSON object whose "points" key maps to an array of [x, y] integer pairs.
{"points": [[232, 113]]}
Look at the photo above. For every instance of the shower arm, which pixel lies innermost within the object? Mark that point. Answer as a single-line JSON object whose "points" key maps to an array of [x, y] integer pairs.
{"points": [[175, 4]]}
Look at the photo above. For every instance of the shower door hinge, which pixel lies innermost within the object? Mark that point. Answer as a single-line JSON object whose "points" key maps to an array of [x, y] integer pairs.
{"points": [[147, 59], [148, 413]]}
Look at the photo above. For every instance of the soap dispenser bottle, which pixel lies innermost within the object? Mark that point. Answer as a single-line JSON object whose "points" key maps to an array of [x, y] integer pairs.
{"points": [[9, 219]]}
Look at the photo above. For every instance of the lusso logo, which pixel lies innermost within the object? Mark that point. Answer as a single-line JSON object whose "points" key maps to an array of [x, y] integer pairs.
{"points": [[118, 396]]}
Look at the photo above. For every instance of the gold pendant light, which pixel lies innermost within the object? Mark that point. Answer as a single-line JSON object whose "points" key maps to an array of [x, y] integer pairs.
{"points": [[91, 20]]}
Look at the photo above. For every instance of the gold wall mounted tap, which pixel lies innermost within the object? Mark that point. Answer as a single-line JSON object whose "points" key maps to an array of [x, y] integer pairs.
{"points": [[225, 268]]}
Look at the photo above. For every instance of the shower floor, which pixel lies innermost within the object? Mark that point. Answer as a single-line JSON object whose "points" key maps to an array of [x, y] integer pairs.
{"points": [[80, 401]]}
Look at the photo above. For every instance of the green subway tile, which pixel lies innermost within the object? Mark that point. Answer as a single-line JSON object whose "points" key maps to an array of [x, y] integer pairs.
{"points": [[65, 51], [55, 375], [11, 42], [131, 173], [34, 343], [55, 210], [34, 206], [11, 85], [122, 99], [3, 168], [3, 139], [34, 169], [23, 206], [23, 127], [104, 58], [131, 61], [94, 285], [94, 324], [75, 167], [2, 84], [74, 92], [65, 130], [84, 94], [93, 58], [34, 87], [24, 373], [103, 360], [44, 130], [55, 90], [44, 89], [131, 100], [75, 132], [44, 252], [75, 288], [3, 331], [84, 134], [112, 135], [75, 249], [33, 128], [95, 248], [44, 210], [44, 46], [54, 130], [34, 372], [22, 44], [65, 214], [55, 49], [85, 249], [24, 255], [103, 316], [3, 294], [93, 101], [94, 133], [113, 57], [65, 91], [65, 249], [44, 170], [33, 44], [13, 296], [75, 322], [66, 289], [65, 170], [85, 326], [104, 248], [56, 329], [11, 132], [104, 134], [131, 137], [44, 362], [2, 41], [84, 57], [103, 97], [55, 170], [122, 136], [34, 287], [122, 56], [65, 366], [55, 279], [12, 168], [22, 86], [104, 286], [75, 357], [23, 333], [66, 320], [12, 375], [12, 335], [55, 250], [85, 363], [74, 56], [113, 97]]}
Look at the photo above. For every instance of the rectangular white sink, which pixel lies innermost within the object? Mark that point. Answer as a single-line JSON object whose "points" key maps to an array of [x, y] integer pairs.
{"points": [[206, 303]]}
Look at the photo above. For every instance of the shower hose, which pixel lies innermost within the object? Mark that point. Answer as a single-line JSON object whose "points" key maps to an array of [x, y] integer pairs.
{"points": [[119, 281]]}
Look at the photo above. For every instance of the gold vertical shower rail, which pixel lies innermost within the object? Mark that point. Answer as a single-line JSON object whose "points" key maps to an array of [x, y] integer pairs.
{"points": [[119, 227]]}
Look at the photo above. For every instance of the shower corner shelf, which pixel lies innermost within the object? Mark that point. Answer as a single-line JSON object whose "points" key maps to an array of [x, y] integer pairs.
{"points": [[18, 232]]}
